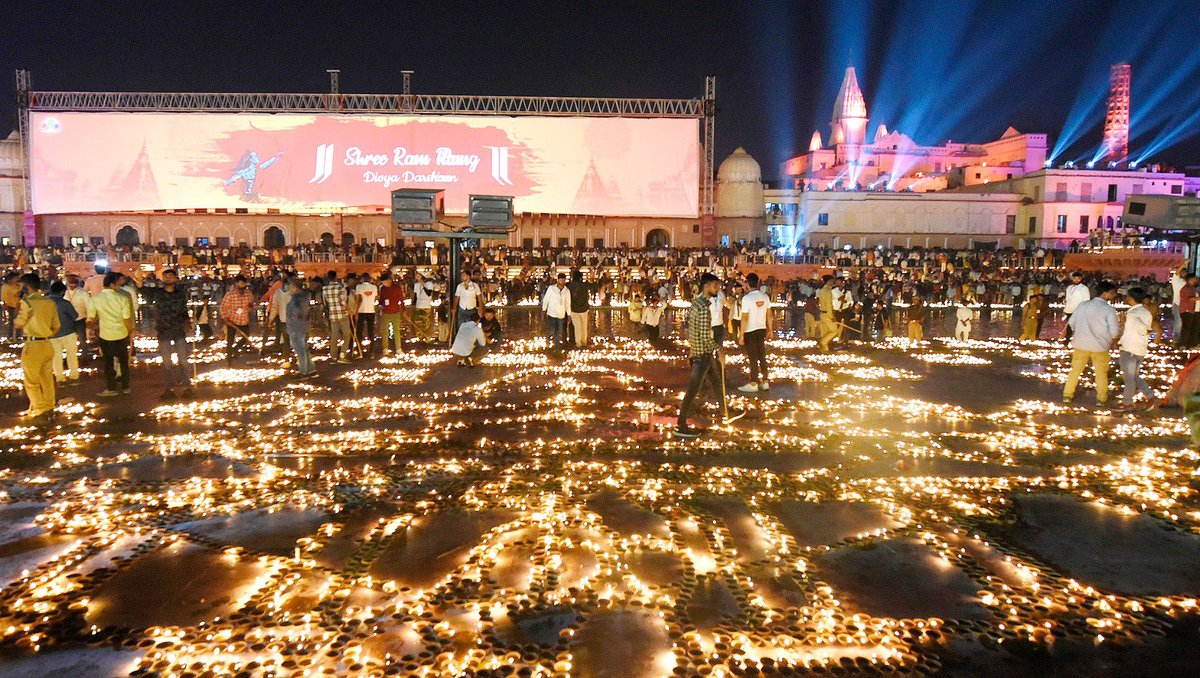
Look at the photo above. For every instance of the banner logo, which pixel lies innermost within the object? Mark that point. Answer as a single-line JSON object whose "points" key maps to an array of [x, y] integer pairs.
{"points": [[324, 164], [500, 165]]}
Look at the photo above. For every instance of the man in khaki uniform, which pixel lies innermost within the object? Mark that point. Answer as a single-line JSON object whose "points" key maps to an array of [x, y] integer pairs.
{"points": [[827, 325], [37, 318]]}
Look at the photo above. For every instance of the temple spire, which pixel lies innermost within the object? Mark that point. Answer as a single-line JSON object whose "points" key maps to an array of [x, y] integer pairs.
{"points": [[850, 102], [849, 123]]}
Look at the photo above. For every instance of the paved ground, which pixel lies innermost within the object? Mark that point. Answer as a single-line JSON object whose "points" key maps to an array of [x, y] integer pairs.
{"points": [[889, 509]]}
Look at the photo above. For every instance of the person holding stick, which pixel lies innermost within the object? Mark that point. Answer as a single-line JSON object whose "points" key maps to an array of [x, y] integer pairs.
{"points": [[704, 355], [235, 313]]}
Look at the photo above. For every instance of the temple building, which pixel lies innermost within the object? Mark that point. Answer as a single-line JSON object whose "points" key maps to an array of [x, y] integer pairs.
{"points": [[893, 161]]}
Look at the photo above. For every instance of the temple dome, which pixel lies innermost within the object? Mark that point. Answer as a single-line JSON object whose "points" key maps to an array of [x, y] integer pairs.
{"points": [[739, 186], [739, 167]]}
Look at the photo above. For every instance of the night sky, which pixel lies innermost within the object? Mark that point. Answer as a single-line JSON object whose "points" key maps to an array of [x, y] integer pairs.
{"points": [[960, 70]]}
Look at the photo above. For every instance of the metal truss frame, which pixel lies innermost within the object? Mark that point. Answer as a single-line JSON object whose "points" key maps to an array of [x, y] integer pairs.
{"points": [[364, 103]]}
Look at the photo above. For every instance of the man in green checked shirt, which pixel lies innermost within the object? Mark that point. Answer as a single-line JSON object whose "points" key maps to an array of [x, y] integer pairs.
{"points": [[704, 354]]}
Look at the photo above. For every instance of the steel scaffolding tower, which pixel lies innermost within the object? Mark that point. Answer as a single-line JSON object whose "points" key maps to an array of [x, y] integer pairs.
{"points": [[1116, 120]]}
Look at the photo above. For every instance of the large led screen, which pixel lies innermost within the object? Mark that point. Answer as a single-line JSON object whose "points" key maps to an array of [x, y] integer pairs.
{"points": [[104, 162]]}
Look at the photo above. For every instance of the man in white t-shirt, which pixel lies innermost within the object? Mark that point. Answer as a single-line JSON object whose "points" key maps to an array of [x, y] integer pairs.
{"points": [[1076, 294], [423, 308], [467, 297], [368, 299], [469, 336], [757, 323], [1178, 280], [1134, 345]]}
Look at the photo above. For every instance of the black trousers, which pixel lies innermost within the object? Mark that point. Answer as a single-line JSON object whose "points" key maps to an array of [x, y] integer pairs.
{"points": [[236, 341], [705, 369], [366, 329], [1190, 335], [756, 355], [282, 343], [114, 353]]}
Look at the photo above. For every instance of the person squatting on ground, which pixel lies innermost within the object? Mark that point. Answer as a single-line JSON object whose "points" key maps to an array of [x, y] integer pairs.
{"points": [[469, 335]]}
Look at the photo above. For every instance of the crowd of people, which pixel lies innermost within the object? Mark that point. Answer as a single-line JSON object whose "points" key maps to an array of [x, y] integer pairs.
{"points": [[869, 295]]}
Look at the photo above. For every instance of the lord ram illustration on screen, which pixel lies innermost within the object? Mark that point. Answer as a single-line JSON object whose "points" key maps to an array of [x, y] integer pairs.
{"points": [[246, 171]]}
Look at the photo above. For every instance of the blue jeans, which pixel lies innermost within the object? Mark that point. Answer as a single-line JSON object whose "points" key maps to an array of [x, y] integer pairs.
{"points": [[174, 373], [554, 329], [463, 315], [1131, 366], [300, 346]]}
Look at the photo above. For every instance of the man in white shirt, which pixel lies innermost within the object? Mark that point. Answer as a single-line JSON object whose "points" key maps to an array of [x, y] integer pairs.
{"points": [[962, 326], [368, 299], [467, 297], [1134, 344], [1178, 280], [1096, 326], [423, 307], [757, 323], [469, 335], [1076, 294], [556, 302]]}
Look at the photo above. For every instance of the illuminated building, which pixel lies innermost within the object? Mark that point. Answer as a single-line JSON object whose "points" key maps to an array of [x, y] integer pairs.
{"points": [[892, 159], [12, 190], [954, 195], [1116, 120], [1050, 206]]}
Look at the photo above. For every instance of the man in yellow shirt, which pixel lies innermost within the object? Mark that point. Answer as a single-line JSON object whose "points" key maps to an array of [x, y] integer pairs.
{"points": [[111, 316], [37, 318]]}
